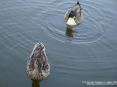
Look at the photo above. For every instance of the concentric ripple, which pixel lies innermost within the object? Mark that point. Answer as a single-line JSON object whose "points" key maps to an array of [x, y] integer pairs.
{"points": [[90, 30], [53, 24]]}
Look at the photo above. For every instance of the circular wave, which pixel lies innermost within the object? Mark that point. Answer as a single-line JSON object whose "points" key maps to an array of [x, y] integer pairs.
{"points": [[89, 31]]}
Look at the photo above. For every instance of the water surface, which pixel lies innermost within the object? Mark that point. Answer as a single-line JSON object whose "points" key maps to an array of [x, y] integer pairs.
{"points": [[91, 54]]}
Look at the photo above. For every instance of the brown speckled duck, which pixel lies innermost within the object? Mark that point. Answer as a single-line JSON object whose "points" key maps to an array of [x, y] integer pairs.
{"points": [[38, 66]]}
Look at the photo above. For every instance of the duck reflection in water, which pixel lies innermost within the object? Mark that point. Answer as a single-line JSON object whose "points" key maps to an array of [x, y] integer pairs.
{"points": [[69, 31], [35, 83]]}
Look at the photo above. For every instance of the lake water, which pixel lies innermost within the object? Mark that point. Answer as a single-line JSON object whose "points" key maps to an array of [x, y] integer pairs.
{"points": [[90, 55]]}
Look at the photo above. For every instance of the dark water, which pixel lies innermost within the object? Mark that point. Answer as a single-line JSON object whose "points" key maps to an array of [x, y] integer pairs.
{"points": [[91, 54]]}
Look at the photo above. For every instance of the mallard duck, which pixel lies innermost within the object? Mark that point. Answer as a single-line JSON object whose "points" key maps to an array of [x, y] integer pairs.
{"points": [[74, 15], [38, 66]]}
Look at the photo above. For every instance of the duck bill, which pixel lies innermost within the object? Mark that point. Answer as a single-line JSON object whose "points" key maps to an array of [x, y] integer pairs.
{"points": [[71, 22]]}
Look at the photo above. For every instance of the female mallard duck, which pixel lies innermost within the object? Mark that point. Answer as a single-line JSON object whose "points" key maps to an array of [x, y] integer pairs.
{"points": [[74, 15], [38, 67]]}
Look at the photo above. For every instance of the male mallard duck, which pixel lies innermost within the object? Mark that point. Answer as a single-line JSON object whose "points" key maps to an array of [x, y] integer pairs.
{"points": [[38, 67], [74, 15]]}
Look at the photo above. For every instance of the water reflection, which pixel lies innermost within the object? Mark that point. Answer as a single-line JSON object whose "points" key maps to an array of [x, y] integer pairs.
{"points": [[69, 31], [35, 83]]}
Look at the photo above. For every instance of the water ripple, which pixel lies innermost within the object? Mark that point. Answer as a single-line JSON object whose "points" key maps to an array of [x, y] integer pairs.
{"points": [[89, 31]]}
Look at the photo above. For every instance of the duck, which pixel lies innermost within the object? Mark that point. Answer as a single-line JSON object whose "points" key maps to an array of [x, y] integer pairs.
{"points": [[38, 67], [74, 15]]}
